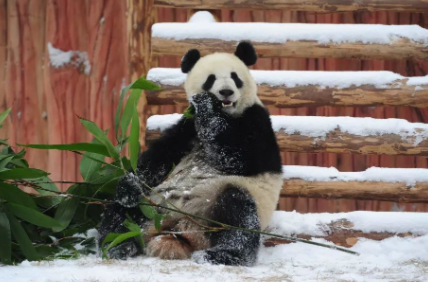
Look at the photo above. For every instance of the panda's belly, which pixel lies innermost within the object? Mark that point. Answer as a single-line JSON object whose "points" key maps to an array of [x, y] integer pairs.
{"points": [[194, 185]]}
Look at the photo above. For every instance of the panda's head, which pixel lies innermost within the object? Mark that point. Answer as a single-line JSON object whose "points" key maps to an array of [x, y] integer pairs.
{"points": [[225, 75]]}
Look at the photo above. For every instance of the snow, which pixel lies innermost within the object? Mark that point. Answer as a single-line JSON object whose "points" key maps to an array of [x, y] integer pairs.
{"points": [[319, 127], [314, 224], [202, 17], [202, 28], [314, 173], [393, 259], [324, 79], [59, 58]]}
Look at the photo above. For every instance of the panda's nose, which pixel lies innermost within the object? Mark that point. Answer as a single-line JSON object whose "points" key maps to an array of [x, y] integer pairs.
{"points": [[226, 92]]}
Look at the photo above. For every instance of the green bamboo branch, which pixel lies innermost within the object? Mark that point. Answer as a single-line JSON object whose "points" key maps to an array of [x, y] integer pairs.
{"points": [[227, 226]]}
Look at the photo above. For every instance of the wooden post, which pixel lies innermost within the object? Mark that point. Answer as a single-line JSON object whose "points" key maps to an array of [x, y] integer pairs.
{"points": [[3, 54], [141, 16], [320, 6]]}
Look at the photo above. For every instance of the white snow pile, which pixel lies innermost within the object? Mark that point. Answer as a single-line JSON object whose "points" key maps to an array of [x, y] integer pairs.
{"points": [[314, 224], [323, 79], [320, 127], [393, 259], [201, 26], [202, 17], [59, 58], [410, 176]]}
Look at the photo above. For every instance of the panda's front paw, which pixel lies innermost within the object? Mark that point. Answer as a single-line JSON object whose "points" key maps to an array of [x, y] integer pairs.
{"points": [[222, 256], [123, 251], [129, 192], [206, 102]]}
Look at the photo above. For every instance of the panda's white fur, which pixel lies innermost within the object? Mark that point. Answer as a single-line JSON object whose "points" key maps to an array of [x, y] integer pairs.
{"points": [[197, 181], [227, 168], [193, 186], [222, 65]]}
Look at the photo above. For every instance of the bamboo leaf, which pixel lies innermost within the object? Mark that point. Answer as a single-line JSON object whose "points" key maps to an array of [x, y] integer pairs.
{"points": [[122, 237], [4, 115], [101, 136], [133, 227], [4, 161], [22, 173], [65, 213], [86, 147], [128, 111], [143, 84], [134, 140], [88, 165], [148, 210], [13, 194], [22, 238], [118, 111], [32, 216], [158, 221], [5, 239]]}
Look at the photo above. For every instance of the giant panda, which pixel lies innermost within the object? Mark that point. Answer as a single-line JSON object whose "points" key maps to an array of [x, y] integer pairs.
{"points": [[223, 164]]}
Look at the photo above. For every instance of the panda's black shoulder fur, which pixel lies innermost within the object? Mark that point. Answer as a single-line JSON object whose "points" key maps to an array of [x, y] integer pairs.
{"points": [[155, 163], [247, 146]]}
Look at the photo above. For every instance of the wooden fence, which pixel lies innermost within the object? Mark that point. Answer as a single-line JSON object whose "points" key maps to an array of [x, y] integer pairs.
{"points": [[113, 38]]}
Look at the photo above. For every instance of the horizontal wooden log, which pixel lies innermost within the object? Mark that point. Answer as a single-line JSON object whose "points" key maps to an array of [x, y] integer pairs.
{"points": [[358, 190], [320, 6], [400, 49], [342, 233], [281, 96], [342, 142]]}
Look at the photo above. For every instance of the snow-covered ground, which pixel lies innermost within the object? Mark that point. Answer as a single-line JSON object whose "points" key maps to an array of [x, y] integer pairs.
{"points": [[393, 259]]}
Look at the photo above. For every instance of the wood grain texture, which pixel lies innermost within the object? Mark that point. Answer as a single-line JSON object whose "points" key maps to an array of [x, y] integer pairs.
{"points": [[23, 81], [396, 94], [141, 16], [401, 49], [342, 233], [342, 142], [3, 56], [358, 190], [319, 6]]}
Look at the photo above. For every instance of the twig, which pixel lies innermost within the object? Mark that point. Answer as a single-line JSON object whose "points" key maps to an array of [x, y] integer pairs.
{"points": [[227, 226]]}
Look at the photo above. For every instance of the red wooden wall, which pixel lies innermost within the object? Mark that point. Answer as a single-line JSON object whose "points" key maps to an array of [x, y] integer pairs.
{"points": [[46, 100]]}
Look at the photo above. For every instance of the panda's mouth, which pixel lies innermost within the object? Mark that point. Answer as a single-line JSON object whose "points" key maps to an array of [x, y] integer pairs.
{"points": [[228, 104]]}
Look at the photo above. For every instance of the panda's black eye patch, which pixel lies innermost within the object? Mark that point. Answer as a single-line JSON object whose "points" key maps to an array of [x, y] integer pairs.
{"points": [[237, 80], [209, 82]]}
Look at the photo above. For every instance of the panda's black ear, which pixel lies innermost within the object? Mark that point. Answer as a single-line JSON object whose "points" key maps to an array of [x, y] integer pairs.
{"points": [[189, 60], [246, 52]]}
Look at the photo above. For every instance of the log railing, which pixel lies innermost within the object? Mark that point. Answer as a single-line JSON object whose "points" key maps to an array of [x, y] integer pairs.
{"points": [[342, 135], [398, 92], [359, 190], [282, 40], [320, 6]]}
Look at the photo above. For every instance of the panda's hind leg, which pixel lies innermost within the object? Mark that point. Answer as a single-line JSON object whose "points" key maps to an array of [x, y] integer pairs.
{"points": [[235, 207], [112, 222]]}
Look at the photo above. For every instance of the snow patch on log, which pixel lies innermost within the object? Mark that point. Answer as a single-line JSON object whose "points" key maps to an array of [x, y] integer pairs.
{"points": [[59, 58], [281, 33], [313, 224], [320, 127], [324, 79], [410, 176]]}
